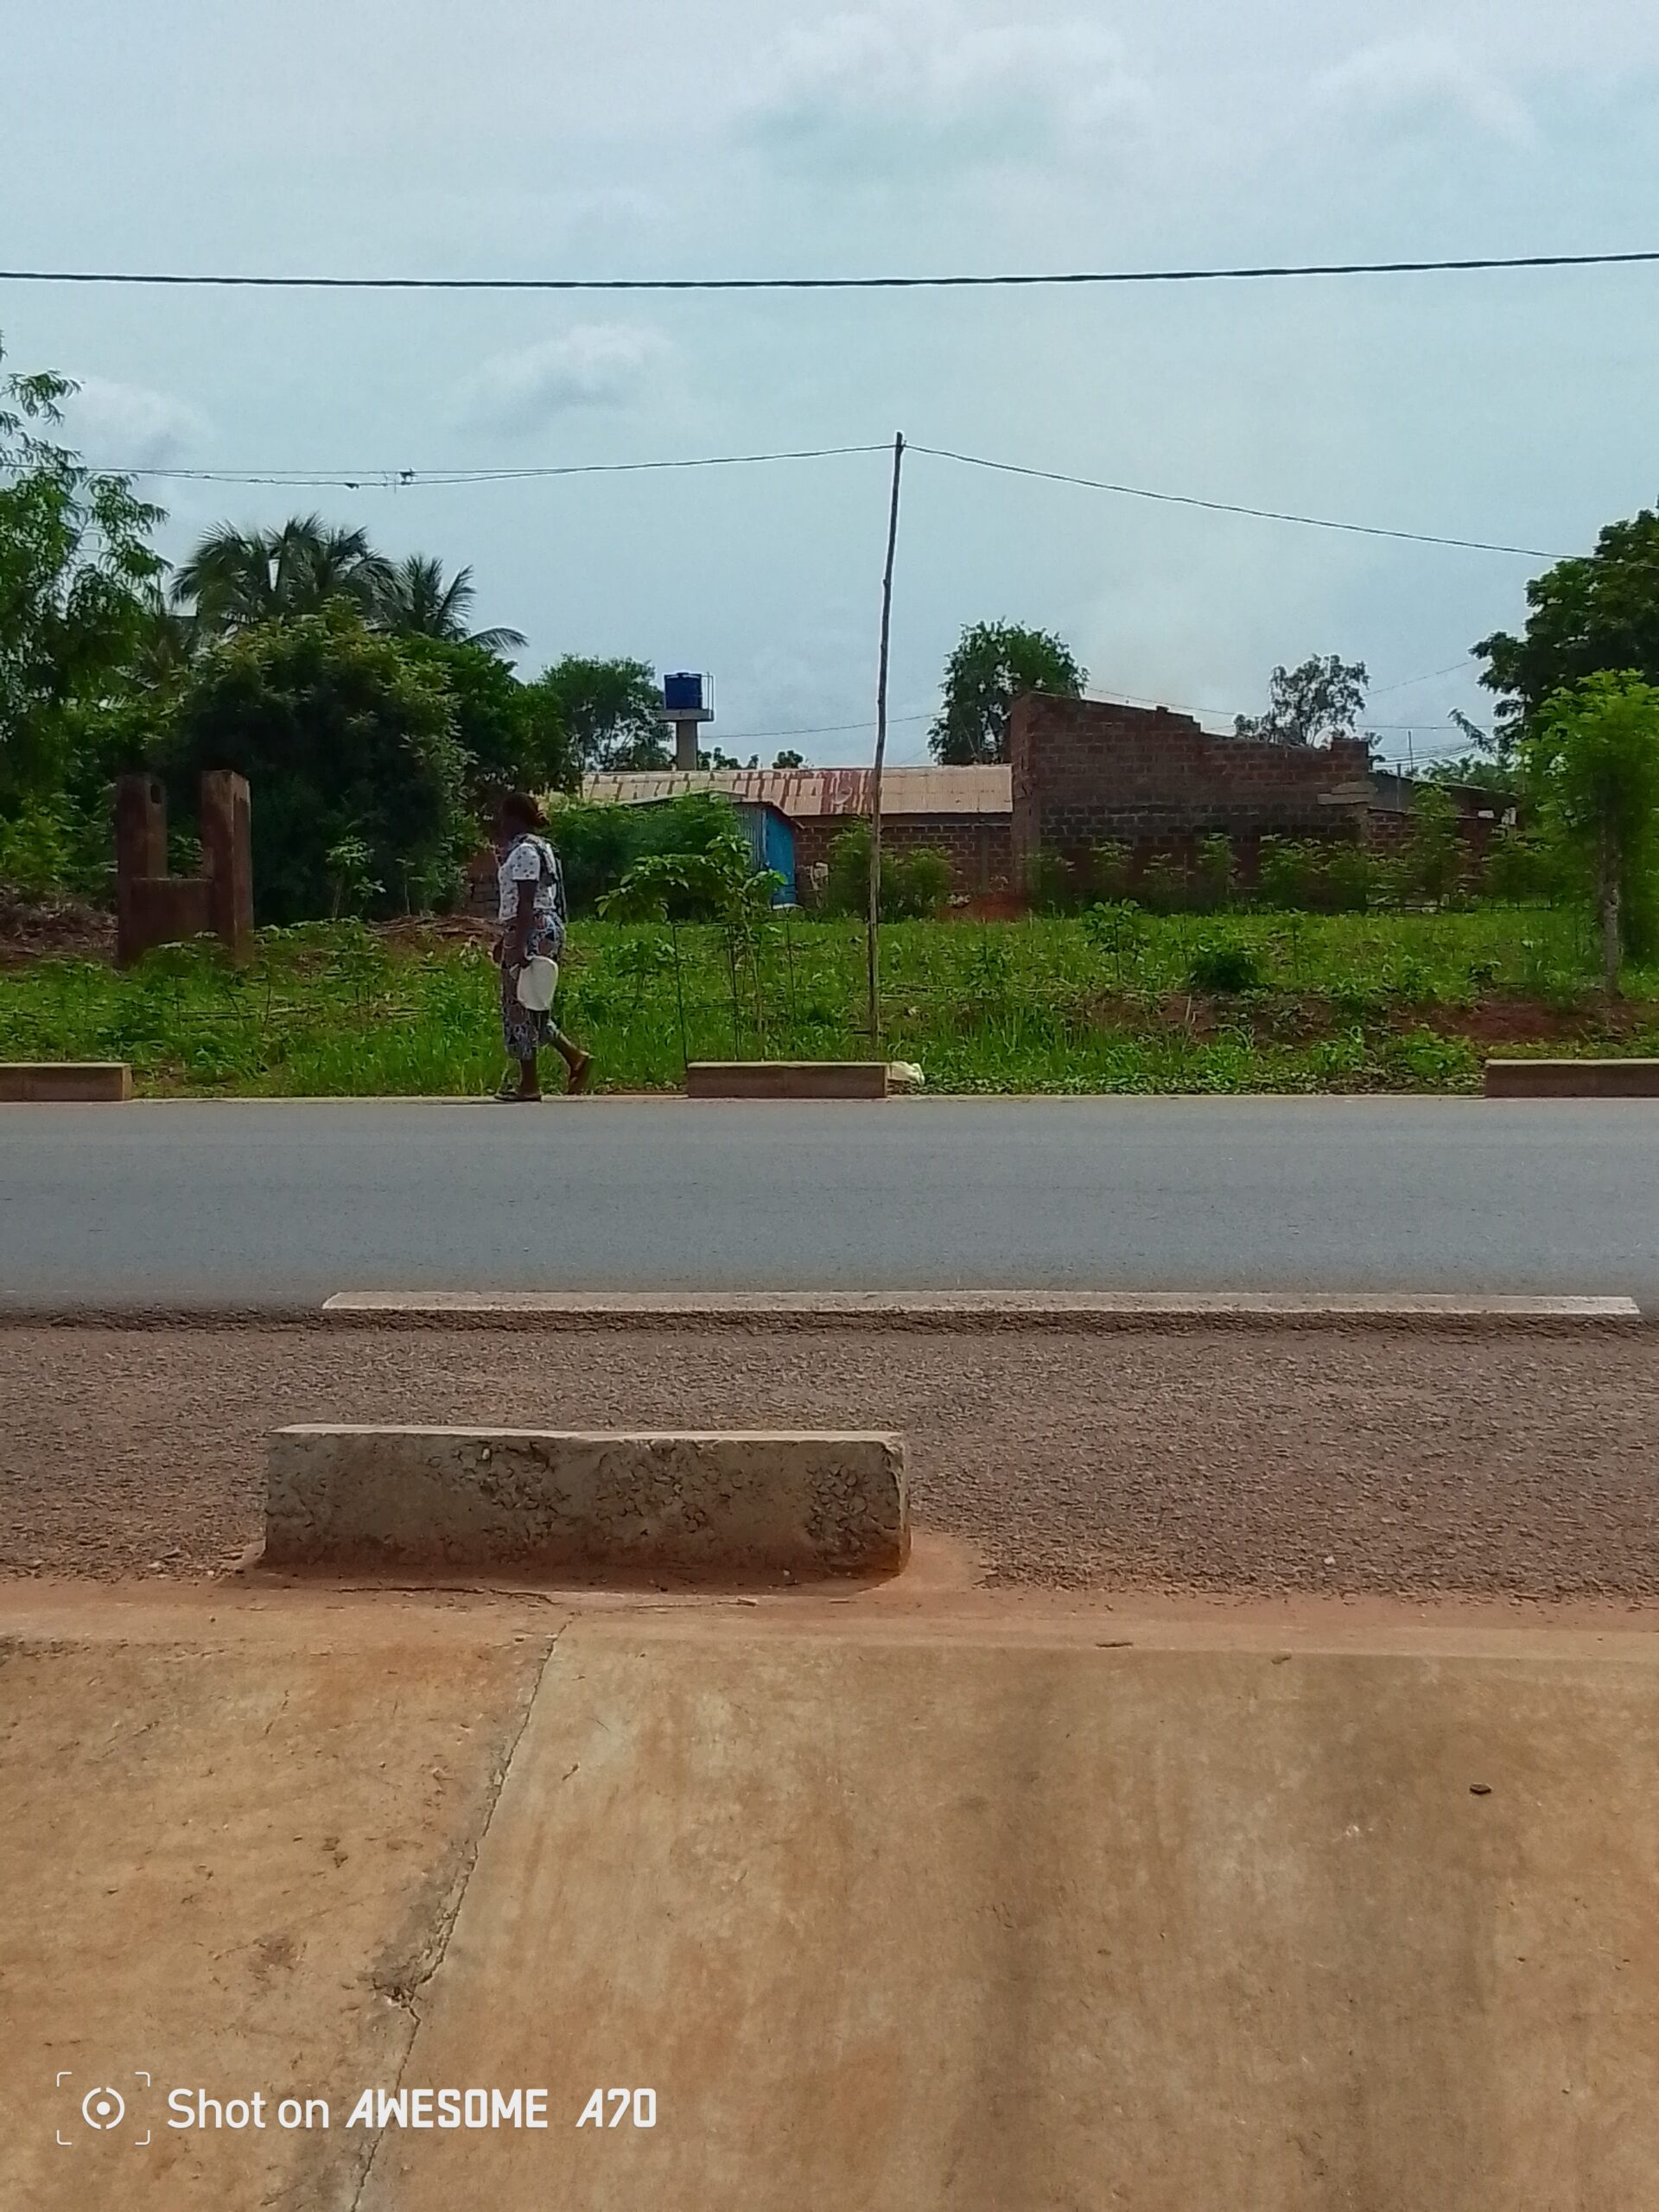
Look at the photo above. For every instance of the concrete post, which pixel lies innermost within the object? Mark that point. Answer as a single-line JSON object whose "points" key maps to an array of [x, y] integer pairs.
{"points": [[685, 743], [139, 826], [140, 855], [227, 855]]}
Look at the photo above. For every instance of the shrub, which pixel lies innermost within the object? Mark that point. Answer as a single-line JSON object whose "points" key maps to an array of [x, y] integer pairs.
{"points": [[1213, 877], [1051, 884], [1225, 966], [928, 882], [598, 845], [914, 885], [1355, 1002], [1109, 873], [1521, 865], [1433, 857], [1118, 930], [1163, 884], [1284, 873], [1353, 881], [37, 849]]}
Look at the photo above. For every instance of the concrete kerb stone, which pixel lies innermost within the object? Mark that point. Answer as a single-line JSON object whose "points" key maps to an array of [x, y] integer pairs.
{"points": [[727, 1504], [974, 1310], [787, 1079], [61, 1083], [1582, 1078]]}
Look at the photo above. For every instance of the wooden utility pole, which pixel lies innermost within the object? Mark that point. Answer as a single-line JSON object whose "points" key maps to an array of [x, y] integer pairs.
{"points": [[874, 949]]}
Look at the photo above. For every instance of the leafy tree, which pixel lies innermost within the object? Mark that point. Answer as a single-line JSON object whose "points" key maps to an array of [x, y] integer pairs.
{"points": [[993, 663], [416, 602], [1321, 699], [1591, 756], [511, 732], [343, 740], [717, 757], [612, 709], [1597, 611], [236, 578], [1490, 765], [77, 573], [789, 760]]}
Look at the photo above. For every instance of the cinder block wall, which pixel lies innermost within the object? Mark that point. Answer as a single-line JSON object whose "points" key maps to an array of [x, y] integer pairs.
{"points": [[1087, 773], [978, 846]]}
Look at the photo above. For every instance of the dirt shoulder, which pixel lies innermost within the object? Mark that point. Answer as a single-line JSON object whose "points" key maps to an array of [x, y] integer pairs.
{"points": [[1366, 1462]]}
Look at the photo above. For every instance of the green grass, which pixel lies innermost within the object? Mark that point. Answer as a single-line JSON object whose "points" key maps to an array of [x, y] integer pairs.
{"points": [[1348, 1002]]}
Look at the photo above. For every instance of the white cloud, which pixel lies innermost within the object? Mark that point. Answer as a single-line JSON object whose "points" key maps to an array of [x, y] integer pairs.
{"points": [[594, 364], [916, 83], [1424, 75], [124, 426]]}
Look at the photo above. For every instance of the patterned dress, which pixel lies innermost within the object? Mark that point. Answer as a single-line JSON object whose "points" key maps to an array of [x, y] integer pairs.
{"points": [[531, 860]]}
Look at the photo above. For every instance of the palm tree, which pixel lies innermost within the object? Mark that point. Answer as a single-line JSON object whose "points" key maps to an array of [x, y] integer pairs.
{"points": [[237, 577], [417, 602]]}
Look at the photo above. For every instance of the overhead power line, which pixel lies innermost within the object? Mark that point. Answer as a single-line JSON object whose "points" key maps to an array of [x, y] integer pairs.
{"points": [[1230, 507], [818, 729], [304, 480], [1405, 682], [954, 280], [357, 479]]}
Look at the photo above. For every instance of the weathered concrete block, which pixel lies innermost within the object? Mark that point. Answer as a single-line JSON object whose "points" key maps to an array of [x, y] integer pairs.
{"points": [[787, 1079], [46, 1082], [547, 1501], [1572, 1078]]}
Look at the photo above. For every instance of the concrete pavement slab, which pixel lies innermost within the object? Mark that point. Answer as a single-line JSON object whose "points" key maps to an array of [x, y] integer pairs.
{"points": [[903, 1897], [947, 1923], [231, 1851]]}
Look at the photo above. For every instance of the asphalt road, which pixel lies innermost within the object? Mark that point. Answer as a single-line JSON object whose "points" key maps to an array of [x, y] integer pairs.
{"points": [[272, 1206]]}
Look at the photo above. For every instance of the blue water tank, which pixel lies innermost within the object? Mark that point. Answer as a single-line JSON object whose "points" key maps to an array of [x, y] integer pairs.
{"points": [[682, 693]]}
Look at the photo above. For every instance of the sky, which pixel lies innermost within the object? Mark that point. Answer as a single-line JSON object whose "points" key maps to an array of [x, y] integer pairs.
{"points": [[532, 137]]}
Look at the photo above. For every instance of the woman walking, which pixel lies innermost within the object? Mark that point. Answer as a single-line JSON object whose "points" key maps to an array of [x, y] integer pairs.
{"points": [[531, 914]]}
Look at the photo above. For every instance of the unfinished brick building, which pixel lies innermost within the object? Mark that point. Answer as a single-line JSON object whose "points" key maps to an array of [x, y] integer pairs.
{"points": [[1086, 772], [1083, 773]]}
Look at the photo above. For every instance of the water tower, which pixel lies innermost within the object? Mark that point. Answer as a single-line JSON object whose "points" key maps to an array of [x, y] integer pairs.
{"points": [[688, 702]]}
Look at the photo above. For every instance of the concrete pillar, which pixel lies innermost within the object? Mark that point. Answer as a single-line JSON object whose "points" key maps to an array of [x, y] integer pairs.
{"points": [[140, 856], [139, 826], [227, 856], [685, 744]]}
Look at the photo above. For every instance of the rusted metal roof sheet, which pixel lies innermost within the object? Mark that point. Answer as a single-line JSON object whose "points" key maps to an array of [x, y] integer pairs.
{"points": [[811, 793]]}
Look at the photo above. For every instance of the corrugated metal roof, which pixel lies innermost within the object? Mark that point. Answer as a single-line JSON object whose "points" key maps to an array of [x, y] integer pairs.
{"points": [[808, 793]]}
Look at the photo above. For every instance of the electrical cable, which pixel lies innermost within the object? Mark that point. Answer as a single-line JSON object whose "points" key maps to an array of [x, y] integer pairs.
{"points": [[412, 478], [954, 280], [306, 480], [1229, 507]]}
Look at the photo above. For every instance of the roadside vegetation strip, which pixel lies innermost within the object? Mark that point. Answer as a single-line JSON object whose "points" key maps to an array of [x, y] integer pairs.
{"points": [[1135, 1002], [1108, 1309]]}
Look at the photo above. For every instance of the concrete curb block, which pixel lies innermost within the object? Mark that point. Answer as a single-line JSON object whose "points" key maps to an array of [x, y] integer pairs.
{"points": [[787, 1079], [737, 1504], [971, 1310], [1616, 1079], [65, 1083]]}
